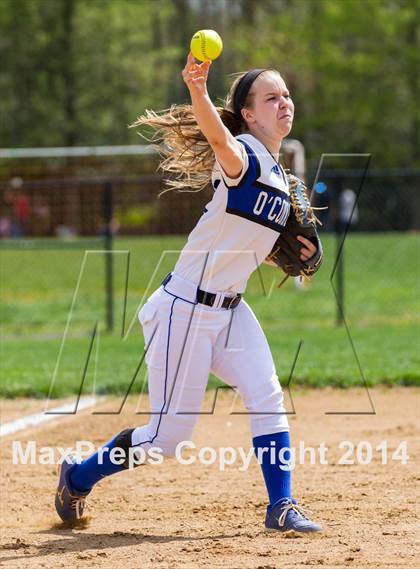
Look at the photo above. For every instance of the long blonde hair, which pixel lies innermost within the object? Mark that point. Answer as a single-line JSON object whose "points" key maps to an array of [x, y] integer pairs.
{"points": [[187, 158]]}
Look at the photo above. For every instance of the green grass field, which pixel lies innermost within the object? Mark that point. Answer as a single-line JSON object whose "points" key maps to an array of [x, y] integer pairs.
{"points": [[38, 286]]}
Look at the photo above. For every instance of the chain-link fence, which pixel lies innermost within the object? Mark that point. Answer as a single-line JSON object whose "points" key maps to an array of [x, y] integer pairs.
{"points": [[69, 208], [378, 200]]}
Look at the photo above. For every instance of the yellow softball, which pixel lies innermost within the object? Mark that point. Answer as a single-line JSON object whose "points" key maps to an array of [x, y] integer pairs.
{"points": [[206, 45]]}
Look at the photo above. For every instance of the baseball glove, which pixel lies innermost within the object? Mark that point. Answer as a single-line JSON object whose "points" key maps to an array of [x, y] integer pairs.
{"points": [[285, 253]]}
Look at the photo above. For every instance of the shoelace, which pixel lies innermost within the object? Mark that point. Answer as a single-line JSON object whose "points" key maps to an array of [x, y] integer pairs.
{"points": [[77, 503], [287, 508]]}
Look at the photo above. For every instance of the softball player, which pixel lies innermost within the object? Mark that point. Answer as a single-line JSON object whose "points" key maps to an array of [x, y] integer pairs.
{"points": [[197, 320]]}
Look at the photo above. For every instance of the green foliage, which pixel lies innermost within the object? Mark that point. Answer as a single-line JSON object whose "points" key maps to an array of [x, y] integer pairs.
{"points": [[381, 304], [79, 71], [135, 217]]}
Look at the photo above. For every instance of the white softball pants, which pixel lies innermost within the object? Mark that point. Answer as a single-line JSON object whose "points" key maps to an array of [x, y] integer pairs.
{"points": [[184, 342]]}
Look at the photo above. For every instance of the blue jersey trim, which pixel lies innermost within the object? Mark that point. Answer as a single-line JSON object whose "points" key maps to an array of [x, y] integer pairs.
{"points": [[253, 170], [273, 204]]}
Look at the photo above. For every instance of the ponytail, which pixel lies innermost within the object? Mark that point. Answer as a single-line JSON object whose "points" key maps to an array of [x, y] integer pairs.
{"points": [[187, 159]]}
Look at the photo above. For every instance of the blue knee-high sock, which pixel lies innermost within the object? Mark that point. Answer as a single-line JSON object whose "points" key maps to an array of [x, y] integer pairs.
{"points": [[85, 475], [277, 480]]}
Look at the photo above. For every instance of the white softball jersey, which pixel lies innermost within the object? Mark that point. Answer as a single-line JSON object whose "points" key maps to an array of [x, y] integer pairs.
{"points": [[240, 225]]}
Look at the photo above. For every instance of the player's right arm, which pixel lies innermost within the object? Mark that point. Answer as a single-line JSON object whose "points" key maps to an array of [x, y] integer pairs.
{"points": [[228, 151]]}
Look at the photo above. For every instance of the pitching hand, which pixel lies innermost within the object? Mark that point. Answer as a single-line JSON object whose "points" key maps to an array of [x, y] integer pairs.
{"points": [[195, 75]]}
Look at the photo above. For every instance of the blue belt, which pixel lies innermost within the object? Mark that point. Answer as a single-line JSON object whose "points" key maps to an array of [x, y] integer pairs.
{"points": [[209, 298]]}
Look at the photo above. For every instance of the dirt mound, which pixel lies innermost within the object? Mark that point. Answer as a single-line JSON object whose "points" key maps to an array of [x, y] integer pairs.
{"points": [[198, 515]]}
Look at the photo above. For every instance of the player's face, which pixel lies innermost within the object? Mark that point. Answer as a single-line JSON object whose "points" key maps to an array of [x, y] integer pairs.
{"points": [[272, 110]]}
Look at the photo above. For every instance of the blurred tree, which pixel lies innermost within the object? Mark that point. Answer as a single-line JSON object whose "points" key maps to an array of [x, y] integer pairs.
{"points": [[32, 110], [412, 71], [66, 61], [79, 71]]}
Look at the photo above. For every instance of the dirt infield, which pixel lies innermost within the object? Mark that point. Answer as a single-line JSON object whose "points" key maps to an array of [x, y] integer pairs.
{"points": [[173, 515]]}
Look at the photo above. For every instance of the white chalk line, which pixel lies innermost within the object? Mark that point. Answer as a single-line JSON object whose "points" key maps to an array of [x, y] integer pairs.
{"points": [[38, 418]]}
